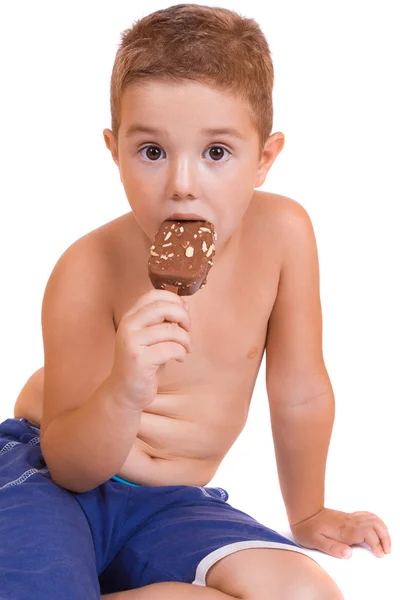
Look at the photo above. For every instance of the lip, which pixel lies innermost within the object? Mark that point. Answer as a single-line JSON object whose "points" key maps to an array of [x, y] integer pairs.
{"points": [[186, 217]]}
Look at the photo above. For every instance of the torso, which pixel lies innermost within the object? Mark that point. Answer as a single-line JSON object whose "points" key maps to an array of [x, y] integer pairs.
{"points": [[202, 404]]}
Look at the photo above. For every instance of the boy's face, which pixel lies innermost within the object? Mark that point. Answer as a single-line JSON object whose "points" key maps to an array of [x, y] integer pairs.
{"points": [[176, 158]]}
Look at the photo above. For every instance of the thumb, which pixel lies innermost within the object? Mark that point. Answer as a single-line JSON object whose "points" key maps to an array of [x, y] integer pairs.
{"points": [[333, 547]]}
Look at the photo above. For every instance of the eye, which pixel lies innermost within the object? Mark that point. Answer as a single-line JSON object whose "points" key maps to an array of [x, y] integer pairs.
{"points": [[150, 153], [217, 153]]}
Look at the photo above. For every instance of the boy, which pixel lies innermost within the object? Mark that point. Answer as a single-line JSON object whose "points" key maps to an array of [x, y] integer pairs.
{"points": [[144, 392]]}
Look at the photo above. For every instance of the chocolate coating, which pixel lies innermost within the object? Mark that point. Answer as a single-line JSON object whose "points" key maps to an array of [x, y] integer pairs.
{"points": [[181, 256]]}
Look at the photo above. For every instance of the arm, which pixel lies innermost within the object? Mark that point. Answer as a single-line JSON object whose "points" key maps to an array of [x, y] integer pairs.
{"points": [[88, 429], [300, 395], [302, 402]]}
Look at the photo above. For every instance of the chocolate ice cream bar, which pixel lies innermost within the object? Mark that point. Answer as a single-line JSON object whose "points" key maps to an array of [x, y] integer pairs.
{"points": [[181, 256]]}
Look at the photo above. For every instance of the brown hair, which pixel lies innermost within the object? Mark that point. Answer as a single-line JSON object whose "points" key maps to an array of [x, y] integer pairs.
{"points": [[189, 42]]}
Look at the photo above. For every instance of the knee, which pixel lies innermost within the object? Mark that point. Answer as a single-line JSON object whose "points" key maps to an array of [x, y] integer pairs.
{"points": [[266, 574], [306, 580], [300, 587], [29, 402], [33, 386], [313, 586]]}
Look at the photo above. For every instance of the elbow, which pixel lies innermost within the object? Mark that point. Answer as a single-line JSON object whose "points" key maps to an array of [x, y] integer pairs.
{"points": [[72, 487], [70, 483], [66, 475], [300, 397], [318, 409]]}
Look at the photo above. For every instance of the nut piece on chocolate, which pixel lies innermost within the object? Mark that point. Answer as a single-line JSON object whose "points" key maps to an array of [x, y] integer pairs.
{"points": [[181, 256]]}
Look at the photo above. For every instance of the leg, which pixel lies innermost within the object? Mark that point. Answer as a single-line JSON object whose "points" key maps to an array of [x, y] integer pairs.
{"points": [[271, 574], [184, 534], [29, 403], [256, 574], [169, 591], [46, 547]]}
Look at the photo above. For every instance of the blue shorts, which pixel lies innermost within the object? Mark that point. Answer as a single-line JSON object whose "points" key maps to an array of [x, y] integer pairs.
{"points": [[59, 544]]}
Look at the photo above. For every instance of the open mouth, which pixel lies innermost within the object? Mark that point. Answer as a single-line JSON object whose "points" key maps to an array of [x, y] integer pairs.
{"points": [[186, 217]]}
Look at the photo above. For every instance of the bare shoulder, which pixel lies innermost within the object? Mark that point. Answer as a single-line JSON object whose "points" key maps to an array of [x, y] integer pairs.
{"points": [[278, 222], [276, 211], [107, 238], [91, 266], [100, 250]]}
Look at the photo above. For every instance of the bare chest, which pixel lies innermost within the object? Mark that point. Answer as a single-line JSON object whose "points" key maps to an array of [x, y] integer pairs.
{"points": [[229, 325]]}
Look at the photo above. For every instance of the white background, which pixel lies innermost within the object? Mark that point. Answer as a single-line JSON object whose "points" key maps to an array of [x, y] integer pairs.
{"points": [[336, 100]]}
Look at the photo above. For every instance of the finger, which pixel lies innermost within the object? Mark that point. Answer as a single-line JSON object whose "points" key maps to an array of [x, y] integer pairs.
{"points": [[158, 312], [371, 538], [368, 517], [372, 520], [155, 296], [386, 543], [159, 354], [383, 535], [164, 332], [333, 547]]}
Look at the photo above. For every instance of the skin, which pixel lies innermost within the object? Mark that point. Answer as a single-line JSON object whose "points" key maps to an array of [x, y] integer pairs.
{"points": [[266, 259]]}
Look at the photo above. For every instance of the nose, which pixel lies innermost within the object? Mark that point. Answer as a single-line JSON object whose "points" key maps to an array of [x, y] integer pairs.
{"points": [[182, 179]]}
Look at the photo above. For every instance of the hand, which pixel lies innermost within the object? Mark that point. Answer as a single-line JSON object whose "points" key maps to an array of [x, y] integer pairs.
{"points": [[154, 331], [333, 532]]}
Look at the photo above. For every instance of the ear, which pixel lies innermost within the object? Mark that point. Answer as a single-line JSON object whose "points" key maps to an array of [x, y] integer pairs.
{"points": [[111, 144], [272, 148]]}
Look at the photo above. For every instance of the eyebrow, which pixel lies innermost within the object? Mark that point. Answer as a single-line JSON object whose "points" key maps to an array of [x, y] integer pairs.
{"points": [[229, 131]]}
